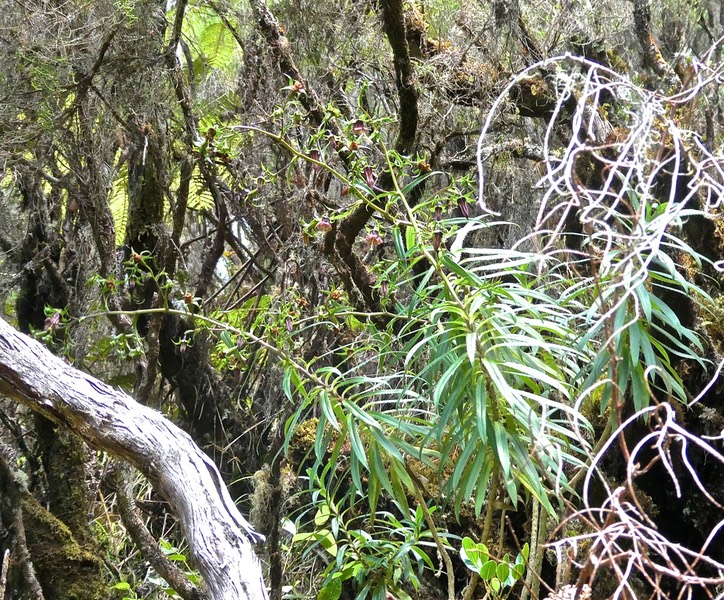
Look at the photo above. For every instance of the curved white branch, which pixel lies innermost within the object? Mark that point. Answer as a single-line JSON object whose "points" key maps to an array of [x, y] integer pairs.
{"points": [[110, 420]]}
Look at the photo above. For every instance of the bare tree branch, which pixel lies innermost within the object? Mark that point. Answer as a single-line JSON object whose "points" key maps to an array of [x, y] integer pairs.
{"points": [[146, 542], [394, 26], [108, 419]]}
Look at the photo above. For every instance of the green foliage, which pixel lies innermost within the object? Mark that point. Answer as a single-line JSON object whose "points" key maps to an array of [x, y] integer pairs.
{"points": [[486, 356], [498, 576], [118, 204], [380, 555], [211, 43]]}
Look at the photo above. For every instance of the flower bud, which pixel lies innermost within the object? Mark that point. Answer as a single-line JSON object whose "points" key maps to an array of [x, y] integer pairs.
{"points": [[436, 240], [464, 207], [370, 176], [316, 156]]}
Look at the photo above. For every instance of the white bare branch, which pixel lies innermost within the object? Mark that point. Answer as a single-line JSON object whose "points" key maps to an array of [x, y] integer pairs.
{"points": [[110, 420]]}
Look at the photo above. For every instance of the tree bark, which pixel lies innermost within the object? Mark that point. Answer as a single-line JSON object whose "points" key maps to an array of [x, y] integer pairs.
{"points": [[112, 421]]}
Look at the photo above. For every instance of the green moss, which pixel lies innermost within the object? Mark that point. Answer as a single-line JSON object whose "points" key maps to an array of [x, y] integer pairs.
{"points": [[65, 569], [713, 324]]}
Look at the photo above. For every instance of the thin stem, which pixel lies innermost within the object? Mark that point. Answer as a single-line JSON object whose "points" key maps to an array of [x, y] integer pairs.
{"points": [[417, 488]]}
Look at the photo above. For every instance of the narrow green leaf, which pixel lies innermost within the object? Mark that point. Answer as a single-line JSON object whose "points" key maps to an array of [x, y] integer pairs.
{"points": [[501, 448], [481, 408], [481, 491], [639, 390], [328, 410], [472, 475], [471, 340], [440, 389], [410, 238], [634, 335]]}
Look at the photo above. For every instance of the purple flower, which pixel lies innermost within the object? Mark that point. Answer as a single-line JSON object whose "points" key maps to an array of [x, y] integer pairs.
{"points": [[359, 127], [373, 238], [324, 224], [464, 207], [52, 322], [436, 240], [370, 176], [315, 156]]}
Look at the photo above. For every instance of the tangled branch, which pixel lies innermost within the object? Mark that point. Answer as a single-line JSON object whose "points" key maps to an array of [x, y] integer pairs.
{"points": [[622, 537]]}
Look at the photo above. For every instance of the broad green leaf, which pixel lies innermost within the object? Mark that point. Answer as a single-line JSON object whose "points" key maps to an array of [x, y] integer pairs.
{"points": [[332, 590], [327, 541], [487, 571], [322, 515], [502, 571], [473, 555], [122, 585]]}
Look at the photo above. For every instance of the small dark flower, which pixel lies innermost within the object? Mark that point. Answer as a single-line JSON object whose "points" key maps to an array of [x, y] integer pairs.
{"points": [[345, 191], [436, 240], [464, 207], [359, 127], [423, 167], [324, 224], [315, 156], [297, 87], [370, 176], [52, 322], [384, 288], [373, 238], [438, 213], [259, 183], [289, 323], [182, 347], [239, 342], [353, 145]]}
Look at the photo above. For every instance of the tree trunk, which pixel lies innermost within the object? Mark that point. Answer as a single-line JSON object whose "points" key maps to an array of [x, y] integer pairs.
{"points": [[110, 420]]}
